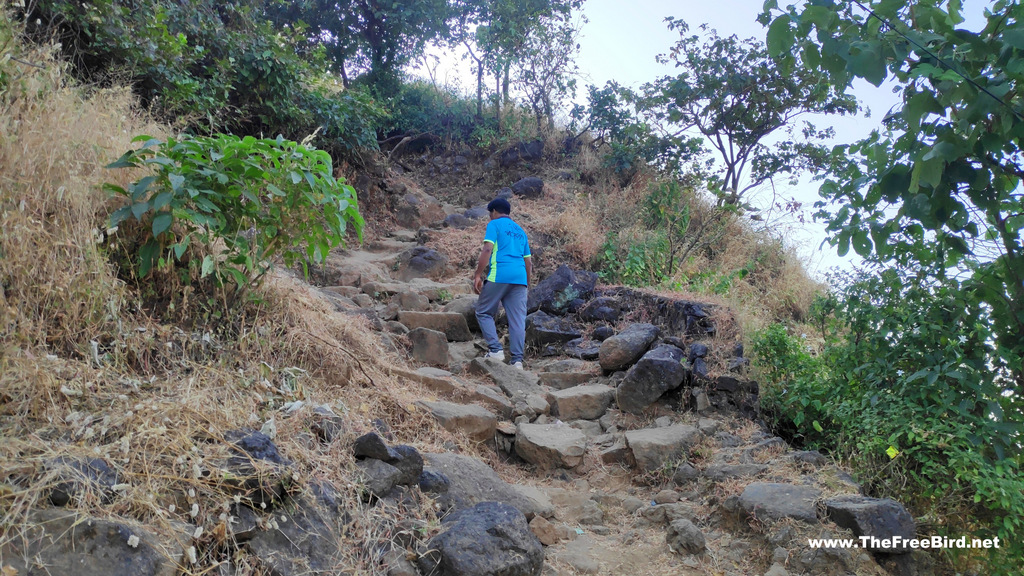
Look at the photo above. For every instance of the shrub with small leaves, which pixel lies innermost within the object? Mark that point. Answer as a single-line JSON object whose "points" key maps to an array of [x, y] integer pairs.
{"points": [[249, 199]]}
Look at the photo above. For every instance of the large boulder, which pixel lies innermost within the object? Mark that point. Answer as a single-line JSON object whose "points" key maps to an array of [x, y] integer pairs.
{"points": [[451, 323], [421, 262], [471, 481], [429, 346], [623, 349], [652, 448], [340, 270], [63, 542], [550, 446], [530, 187], [532, 150], [474, 421], [602, 309], [556, 293], [299, 541], [772, 501], [583, 402], [659, 371], [543, 329], [490, 539], [417, 209], [879, 518]]}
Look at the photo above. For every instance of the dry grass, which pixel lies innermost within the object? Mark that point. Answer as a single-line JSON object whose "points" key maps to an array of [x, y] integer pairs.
{"points": [[85, 373]]}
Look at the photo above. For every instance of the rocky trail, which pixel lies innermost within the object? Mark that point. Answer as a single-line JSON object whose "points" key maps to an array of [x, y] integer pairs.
{"points": [[630, 445], [636, 456]]}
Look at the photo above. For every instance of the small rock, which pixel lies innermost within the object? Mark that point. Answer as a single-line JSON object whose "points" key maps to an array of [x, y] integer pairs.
{"points": [[371, 445], [666, 497], [684, 536], [408, 460], [378, 477], [544, 531]]}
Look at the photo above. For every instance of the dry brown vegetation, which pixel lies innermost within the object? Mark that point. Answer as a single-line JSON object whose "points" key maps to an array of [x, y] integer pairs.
{"points": [[85, 371]]}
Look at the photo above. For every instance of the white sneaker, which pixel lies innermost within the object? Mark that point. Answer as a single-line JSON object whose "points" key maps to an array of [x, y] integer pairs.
{"points": [[495, 355], [518, 365]]}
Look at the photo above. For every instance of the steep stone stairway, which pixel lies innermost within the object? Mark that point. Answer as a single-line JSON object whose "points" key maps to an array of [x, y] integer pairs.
{"points": [[631, 454]]}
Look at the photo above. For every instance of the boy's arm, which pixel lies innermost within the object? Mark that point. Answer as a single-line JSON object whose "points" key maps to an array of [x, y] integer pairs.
{"points": [[529, 270], [481, 266]]}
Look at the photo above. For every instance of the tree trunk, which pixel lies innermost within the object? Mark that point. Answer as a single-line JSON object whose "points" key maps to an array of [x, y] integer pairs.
{"points": [[497, 98], [479, 90]]}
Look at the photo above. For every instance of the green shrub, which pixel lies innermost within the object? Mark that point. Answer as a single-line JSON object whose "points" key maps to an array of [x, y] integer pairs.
{"points": [[633, 261], [212, 67], [910, 390], [259, 199], [421, 107]]}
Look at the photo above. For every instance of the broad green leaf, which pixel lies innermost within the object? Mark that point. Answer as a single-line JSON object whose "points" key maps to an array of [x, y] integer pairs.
{"points": [[148, 255], [120, 215], [161, 200], [127, 160], [180, 247], [861, 243], [161, 222], [140, 208], [176, 181], [866, 61], [780, 39], [207, 267]]}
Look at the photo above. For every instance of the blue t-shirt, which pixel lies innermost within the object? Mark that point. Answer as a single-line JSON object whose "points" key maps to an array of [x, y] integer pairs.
{"points": [[509, 250]]}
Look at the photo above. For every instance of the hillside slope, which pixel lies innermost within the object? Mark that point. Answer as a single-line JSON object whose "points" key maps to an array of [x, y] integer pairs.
{"points": [[327, 426]]}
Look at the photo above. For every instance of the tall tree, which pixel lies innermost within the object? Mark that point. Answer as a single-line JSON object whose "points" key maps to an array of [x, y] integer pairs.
{"points": [[732, 94], [546, 69], [375, 36], [496, 31], [939, 183]]}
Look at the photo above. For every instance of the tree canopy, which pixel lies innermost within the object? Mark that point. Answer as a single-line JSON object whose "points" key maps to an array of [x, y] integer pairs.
{"points": [[939, 184], [731, 93]]}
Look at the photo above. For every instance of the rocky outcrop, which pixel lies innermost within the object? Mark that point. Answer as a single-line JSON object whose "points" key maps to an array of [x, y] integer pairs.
{"points": [[543, 329], [561, 292], [64, 542], [298, 541], [471, 482]]}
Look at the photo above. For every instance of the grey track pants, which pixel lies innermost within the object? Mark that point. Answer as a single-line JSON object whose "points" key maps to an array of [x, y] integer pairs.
{"points": [[513, 298]]}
